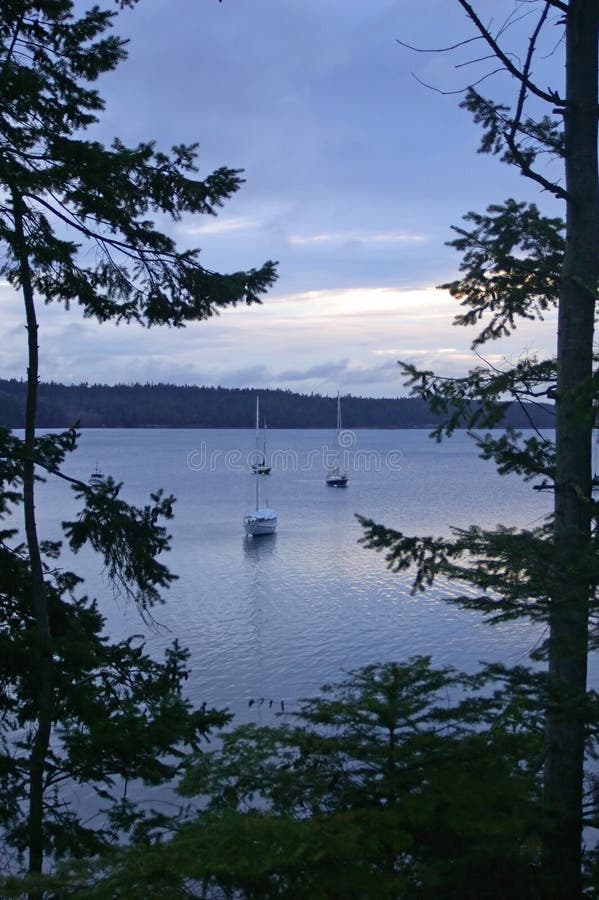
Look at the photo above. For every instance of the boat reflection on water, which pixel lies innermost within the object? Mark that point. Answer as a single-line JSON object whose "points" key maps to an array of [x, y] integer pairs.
{"points": [[256, 550]]}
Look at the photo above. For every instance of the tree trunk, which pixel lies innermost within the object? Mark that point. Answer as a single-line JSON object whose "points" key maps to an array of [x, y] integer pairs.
{"points": [[568, 635], [39, 604]]}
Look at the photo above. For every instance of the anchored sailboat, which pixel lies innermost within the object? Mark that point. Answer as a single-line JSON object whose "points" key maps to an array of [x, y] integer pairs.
{"points": [[337, 476], [264, 519]]}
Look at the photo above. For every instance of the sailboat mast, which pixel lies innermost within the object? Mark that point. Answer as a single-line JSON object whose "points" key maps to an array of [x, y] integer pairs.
{"points": [[257, 451]]}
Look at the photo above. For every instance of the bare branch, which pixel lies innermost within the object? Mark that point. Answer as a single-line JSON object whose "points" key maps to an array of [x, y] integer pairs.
{"points": [[526, 72], [461, 90], [439, 49], [473, 62], [549, 97]]}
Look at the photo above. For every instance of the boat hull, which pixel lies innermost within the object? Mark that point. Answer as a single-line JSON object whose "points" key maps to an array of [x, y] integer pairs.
{"points": [[337, 477], [262, 521], [337, 481], [257, 527], [261, 469]]}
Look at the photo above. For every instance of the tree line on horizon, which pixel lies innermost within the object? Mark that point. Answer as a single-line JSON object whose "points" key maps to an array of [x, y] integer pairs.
{"points": [[190, 406]]}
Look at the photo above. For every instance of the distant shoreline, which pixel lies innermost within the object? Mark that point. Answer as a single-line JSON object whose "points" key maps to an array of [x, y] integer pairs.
{"points": [[282, 428], [153, 406]]}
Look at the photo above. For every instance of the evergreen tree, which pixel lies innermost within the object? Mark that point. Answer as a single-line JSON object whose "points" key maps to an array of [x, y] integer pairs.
{"points": [[516, 264], [76, 228], [400, 781]]}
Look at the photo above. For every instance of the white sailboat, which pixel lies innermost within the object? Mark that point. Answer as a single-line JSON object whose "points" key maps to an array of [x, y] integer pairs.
{"points": [[336, 475], [263, 520]]}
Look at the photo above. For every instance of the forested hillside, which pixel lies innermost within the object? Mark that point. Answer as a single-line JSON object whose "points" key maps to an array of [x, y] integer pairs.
{"points": [[170, 406]]}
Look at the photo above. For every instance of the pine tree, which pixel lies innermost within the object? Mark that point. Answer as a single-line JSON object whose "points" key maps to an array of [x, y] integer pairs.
{"points": [[76, 228], [516, 264], [400, 781]]}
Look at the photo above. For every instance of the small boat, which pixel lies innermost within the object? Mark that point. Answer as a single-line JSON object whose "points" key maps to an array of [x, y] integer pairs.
{"points": [[336, 475], [259, 466], [263, 520], [97, 478]]}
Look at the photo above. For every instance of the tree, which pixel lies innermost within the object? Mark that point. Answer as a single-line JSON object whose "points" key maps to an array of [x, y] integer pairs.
{"points": [[75, 227], [516, 264], [399, 781]]}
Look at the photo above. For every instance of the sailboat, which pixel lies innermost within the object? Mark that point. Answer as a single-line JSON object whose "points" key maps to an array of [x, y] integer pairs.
{"points": [[259, 465], [264, 519], [336, 475]]}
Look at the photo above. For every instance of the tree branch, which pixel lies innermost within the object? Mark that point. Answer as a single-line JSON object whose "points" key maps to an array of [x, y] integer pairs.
{"points": [[526, 72], [552, 97]]}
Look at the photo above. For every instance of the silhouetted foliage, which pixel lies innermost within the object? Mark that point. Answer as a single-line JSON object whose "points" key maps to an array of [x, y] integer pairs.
{"points": [[517, 264], [76, 227], [401, 781]]}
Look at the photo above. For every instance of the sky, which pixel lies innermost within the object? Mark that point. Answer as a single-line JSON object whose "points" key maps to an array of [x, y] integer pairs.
{"points": [[354, 172]]}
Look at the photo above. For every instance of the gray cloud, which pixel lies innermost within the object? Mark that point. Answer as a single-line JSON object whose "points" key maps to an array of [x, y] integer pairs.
{"points": [[354, 175]]}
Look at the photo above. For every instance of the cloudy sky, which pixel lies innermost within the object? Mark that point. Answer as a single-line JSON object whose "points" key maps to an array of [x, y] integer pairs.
{"points": [[354, 172]]}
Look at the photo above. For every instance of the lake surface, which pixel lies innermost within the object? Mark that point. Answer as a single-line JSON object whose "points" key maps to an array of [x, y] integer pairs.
{"points": [[275, 617]]}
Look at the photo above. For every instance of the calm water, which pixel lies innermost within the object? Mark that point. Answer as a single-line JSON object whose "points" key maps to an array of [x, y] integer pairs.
{"points": [[275, 617]]}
